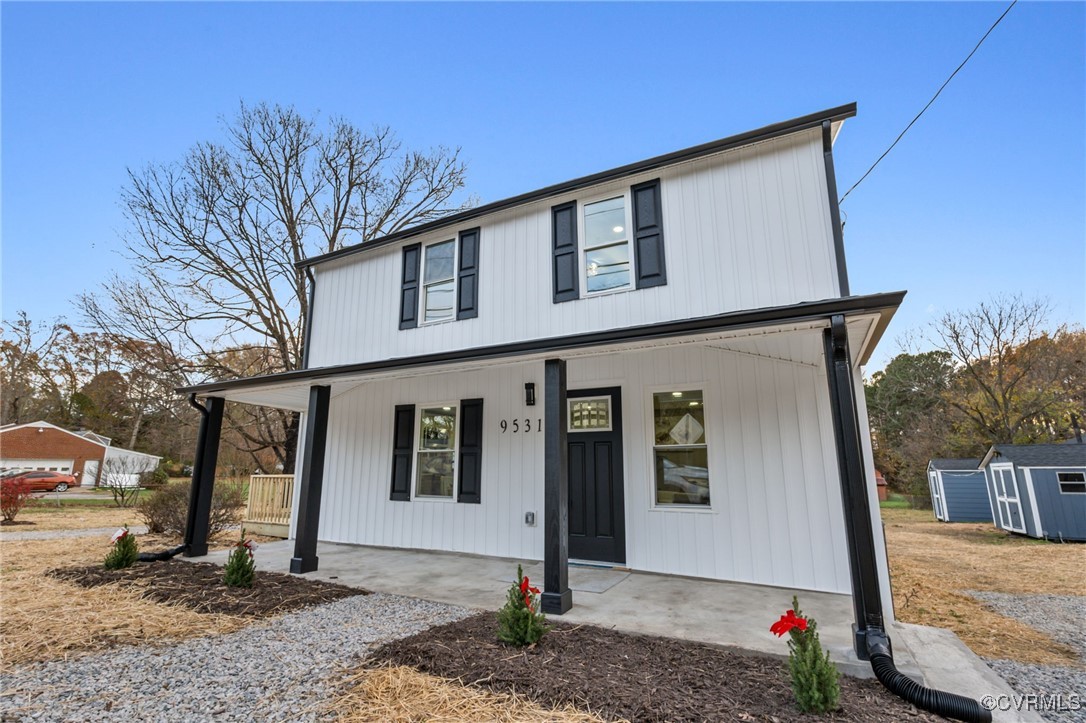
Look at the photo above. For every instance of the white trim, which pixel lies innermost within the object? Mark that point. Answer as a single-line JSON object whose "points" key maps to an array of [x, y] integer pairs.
{"points": [[943, 499], [707, 397], [1033, 503], [1059, 482], [583, 249], [422, 280], [454, 448]]}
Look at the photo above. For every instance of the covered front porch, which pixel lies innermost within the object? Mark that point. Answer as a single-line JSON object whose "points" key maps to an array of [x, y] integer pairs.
{"points": [[788, 457]]}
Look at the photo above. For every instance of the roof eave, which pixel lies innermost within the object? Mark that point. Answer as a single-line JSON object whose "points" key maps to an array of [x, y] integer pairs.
{"points": [[794, 125]]}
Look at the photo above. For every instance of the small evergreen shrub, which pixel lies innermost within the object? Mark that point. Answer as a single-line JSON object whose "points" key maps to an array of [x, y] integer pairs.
{"points": [[240, 567], [814, 677], [520, 622], [14, 494], [124, 552]]}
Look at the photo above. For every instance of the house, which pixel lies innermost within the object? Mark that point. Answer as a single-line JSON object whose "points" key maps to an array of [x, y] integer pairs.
{"points": [[90, 458], [1038, 490], [958, 489], [656, 366]]}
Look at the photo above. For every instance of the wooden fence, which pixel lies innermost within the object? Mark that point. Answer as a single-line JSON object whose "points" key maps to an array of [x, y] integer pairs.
{"points": [[270, 498]]}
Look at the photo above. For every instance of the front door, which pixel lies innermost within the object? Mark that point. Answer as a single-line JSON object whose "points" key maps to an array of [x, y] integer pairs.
{"points": [[596, 514]]}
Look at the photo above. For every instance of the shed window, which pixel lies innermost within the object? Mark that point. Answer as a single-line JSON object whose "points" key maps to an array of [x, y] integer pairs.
{"points": [[439, 281], [1072, 483], [436, 452], [607, 246], [679, 449]]}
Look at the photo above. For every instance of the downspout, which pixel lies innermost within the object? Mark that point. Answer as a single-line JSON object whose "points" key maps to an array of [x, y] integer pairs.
{"points": [[308, 317], [190, 521], [871, 640]]}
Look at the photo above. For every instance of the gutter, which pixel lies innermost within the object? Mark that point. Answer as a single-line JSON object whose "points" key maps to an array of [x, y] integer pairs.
{"points": [[795, 125]]}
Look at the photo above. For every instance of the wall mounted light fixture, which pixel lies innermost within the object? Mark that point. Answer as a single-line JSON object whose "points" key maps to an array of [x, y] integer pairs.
{"points": [[529, 394]]}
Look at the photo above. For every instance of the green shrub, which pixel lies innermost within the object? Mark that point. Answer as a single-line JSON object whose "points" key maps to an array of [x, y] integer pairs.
{"points": [[814, 677], [520, 622], [124, 552], [240, 567], [166, 511]]}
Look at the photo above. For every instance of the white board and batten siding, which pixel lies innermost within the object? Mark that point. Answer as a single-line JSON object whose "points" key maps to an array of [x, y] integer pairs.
{"points": [[745, 229], [775, 518]]}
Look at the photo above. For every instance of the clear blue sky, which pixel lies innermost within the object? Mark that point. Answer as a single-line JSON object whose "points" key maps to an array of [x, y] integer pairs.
{"points": [[985, 194]]}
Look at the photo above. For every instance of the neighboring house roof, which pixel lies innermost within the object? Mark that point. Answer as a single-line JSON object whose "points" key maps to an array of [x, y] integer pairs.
{"points": [[795, 125], [954, 464], [94, 437], [1038, 455]]}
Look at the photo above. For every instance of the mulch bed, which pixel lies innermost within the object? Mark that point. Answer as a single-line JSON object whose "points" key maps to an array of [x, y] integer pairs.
{"points": [[635, 677], [199, 586]]}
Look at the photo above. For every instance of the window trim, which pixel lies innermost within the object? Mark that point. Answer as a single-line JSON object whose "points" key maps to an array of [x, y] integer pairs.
{"points": [[583, 248], [706, 389], [570, 401], [415, 451], [455, 278], [1080, 481]]}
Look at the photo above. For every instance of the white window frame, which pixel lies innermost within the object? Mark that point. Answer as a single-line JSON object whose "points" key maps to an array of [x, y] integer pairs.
{"points": [[416, 451], [1080, 480], [422, 280], [706, 390], [570, 401], [583, 249], [1000, 482]]}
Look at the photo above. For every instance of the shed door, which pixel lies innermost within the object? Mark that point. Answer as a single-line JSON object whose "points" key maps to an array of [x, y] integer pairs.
{"points": [[936, 498], [1010, 508]]}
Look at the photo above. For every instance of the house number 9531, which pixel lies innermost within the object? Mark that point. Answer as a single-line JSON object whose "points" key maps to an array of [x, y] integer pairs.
{"points": [[516, 426]]}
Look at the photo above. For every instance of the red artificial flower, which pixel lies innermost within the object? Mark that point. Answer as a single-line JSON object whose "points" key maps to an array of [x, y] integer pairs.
{"points": [[788, 621], [526, 590]]}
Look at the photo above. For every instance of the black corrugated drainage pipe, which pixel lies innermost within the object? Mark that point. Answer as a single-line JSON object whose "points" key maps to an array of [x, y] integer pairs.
{"points": [[870, 639], [948, 705]]}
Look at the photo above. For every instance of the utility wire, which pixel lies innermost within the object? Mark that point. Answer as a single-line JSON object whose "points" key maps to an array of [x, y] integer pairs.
{"points": [[914, 120]]}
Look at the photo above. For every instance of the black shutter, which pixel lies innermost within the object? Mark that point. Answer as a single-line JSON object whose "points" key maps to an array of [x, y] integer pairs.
{"points": [[564, 233], [471, 450], [409, 292], [403, 436], [467, 284], [648, 235]]}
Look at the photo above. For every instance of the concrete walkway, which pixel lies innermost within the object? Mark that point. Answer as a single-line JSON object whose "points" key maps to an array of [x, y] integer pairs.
{"points": [[719, 613]]}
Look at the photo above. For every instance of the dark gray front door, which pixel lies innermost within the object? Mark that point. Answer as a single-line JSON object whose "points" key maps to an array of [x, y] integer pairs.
{"points": [[596, 512]]}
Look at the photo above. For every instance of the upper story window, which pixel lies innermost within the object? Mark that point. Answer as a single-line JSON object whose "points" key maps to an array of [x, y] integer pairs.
{"points": [[607, 264], [611, 244], [439, 282]]}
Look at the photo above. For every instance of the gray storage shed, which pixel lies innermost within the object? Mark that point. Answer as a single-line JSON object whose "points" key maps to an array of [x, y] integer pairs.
{"points": [[959, 492], [1038, 489]]}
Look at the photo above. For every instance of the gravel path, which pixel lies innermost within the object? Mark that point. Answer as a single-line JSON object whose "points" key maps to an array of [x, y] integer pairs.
{"points": [[280, 670], [62, 534], [1061, 617]]}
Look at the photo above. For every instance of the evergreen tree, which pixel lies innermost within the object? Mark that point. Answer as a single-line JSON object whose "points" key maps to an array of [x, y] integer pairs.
{"points": [[519, 621]]}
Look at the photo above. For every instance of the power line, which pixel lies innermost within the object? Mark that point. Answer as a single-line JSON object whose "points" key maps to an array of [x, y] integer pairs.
{"points": [[945, 83]]}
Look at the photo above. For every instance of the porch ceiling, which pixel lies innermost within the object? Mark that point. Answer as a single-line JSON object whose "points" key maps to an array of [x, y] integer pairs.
{"points": [[798, 342]]}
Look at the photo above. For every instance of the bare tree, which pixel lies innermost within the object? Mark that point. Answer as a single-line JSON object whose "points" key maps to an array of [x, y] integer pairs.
{"points": [[1007, 380], [123, 476], [214, 238], [28, 386]]}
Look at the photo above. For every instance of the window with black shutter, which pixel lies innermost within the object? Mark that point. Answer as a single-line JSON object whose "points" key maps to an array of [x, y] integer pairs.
{"points": [[403, 434], [409, 289], [471, 451], [564, 241], [467, 283], [648, 235]]}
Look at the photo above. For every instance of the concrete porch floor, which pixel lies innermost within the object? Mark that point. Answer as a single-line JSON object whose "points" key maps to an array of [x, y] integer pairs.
{"points": [[729, 614]]}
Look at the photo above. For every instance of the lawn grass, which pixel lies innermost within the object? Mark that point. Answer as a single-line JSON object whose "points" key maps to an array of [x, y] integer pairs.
{"points": [[933, 566], [894, 502]]}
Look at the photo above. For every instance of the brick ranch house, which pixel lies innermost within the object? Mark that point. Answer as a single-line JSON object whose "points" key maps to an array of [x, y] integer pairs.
{"points": [[83, 454]]}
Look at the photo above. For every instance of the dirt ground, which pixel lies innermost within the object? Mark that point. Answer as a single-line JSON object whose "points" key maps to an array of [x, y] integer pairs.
{"points": [[621, 676], [46, 516], [933, 565]]}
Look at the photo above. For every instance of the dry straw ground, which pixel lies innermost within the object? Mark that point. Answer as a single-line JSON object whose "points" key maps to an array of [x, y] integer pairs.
{"points": [[46, 618], [47, 517], [401, 693], [933, 564]]}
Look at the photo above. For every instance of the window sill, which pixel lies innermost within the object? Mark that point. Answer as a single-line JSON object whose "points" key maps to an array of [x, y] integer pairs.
{"points": [[423, 324], [609, 292], [696, 509], [432, 498]]}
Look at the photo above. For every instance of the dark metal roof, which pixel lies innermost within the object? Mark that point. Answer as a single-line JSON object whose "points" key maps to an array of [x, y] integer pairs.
{"points": [[774, 315], [814, 120], [955, 464], [1041, 455]]}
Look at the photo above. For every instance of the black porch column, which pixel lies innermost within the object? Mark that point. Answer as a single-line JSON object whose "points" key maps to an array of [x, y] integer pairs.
{"points": [[557, 597], [312, 480], [203, 475], [866, 596]]}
